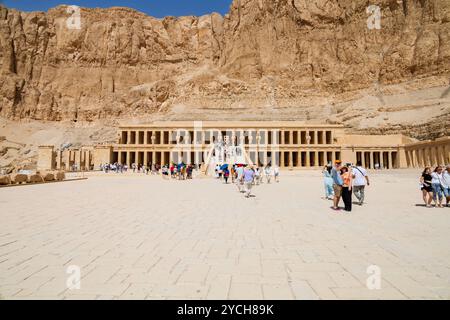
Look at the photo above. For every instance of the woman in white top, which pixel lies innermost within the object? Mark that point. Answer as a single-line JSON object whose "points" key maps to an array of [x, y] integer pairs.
{"points": [[436, 184]]}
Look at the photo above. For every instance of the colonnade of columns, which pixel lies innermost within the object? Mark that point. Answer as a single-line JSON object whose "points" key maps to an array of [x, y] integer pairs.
{"points": [[431, 155], [285, 159], [378, 159], [243, 136], [74, 159]]}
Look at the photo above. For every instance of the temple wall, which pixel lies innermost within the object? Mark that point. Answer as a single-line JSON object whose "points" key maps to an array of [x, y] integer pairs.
{"points": [[289, 144], [46, 158]]}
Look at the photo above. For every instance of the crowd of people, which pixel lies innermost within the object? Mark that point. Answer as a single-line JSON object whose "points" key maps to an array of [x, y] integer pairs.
{"points": [[435, 186], [135, 168], [246, 176], [179, 171], [343, 181], [340, 181]]}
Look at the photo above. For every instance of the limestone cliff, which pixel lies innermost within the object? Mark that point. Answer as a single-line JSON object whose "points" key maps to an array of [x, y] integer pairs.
{"points": [[289, 59]]}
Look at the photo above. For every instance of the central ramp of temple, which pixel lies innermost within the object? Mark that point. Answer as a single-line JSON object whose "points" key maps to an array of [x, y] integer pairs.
{"points": [[224, 152]]}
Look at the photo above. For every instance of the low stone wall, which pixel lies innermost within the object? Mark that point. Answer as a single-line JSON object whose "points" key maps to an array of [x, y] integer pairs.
{"points": [[18, 178], [39, 177]]}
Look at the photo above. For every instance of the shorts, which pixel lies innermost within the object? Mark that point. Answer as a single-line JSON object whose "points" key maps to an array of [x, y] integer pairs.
{"points": [[337, 190], [427, 188]]}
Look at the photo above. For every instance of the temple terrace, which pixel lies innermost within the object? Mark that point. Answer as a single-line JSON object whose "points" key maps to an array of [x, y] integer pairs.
{"points": [[288, 144]]}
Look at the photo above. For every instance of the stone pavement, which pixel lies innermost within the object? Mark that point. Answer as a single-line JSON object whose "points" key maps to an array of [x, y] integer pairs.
{"points": [[138, 237]]}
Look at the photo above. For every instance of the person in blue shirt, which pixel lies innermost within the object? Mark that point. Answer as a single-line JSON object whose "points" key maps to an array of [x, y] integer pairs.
{"points": [[337, 183]]}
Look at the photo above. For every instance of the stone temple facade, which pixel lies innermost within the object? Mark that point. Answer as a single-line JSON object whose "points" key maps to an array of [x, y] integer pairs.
{"points": [[288, 144]]}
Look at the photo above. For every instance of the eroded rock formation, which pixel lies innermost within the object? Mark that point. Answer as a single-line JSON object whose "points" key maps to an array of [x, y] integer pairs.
{"points": [[304, 59]]}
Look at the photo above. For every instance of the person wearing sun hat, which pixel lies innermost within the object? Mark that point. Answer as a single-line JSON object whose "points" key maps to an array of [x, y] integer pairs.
{"points": [[337, 183]]}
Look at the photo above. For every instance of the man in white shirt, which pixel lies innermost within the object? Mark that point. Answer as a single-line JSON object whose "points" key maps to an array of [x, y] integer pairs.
{"points": [[360, 179]]}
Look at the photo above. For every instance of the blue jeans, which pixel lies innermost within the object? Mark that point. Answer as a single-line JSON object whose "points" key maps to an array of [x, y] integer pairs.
{"points": [[437, 191], [329, 192], [447, 192]]}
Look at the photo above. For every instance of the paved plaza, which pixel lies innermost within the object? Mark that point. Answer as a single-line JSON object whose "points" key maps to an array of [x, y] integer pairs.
{"points": [[140, 237]]}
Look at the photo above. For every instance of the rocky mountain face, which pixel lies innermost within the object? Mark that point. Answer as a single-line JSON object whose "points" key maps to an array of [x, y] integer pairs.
{"points": [[319, 60]]}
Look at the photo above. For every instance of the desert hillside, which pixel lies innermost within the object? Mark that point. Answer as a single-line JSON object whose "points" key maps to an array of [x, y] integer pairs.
{"points": [[266, 59]]}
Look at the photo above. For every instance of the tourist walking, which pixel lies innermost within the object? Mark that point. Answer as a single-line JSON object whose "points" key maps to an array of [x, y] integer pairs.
{"points": [[425, 186], [189, 170], [347, 180], [233, 173], [239, 178], [337, 184], [257, 176], [328, 182], [276, 173], [446, 184], [436, 185], [226, 175], [249, 176], [269, 173], [262, 175], [360, 179]]}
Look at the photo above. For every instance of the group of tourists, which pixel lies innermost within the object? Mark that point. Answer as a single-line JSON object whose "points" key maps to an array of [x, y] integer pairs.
{"points": [[435, 186], [180, 171], [135, 168], [246, 176], [342, 181]]}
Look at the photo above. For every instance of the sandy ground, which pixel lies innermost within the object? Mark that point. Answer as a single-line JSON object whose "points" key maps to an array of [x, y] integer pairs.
{"points": [[139, 237]]}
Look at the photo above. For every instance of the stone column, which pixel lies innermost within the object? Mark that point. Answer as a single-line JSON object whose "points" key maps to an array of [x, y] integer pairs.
{"points": [[291, 137], [444, 160], [128, 159], [308, 158], [401, 158], [447, 153], [390, 159], [411, 158], [58, 160], [145, 158], [419, 157], [195, 137]]}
